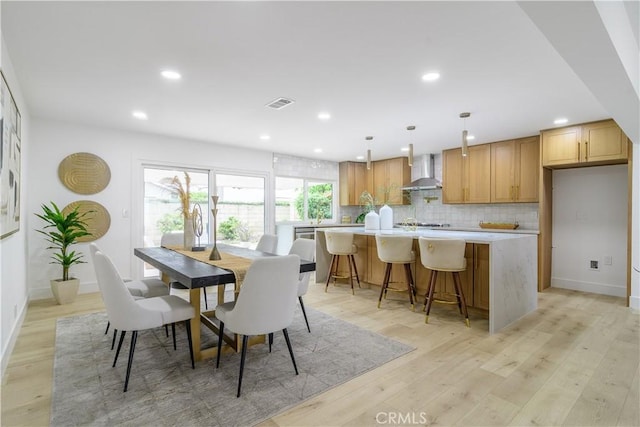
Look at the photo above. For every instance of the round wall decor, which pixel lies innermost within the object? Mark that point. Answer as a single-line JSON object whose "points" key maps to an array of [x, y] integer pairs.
{"points": [[98, 220], [84, 173]]}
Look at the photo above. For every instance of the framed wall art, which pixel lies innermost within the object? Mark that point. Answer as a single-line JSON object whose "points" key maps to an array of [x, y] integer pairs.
{"points": [[10, 158]]}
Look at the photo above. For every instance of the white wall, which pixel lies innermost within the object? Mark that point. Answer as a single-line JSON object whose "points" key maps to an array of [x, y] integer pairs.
{"points": [[124, 152], [590, 223], [13, 284], [634, 299]]}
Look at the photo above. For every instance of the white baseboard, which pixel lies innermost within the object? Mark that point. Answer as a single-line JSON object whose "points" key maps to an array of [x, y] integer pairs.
{"points": [[45, 293], [596, 288], [634, 302], [13, 337]]}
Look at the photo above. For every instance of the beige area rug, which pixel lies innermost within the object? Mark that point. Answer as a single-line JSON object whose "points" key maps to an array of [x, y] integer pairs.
{"points": [[165, 391]]}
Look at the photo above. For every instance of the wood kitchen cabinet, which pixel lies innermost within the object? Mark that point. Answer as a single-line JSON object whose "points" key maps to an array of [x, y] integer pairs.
{"points": [[515, 168], [467, 179], [589, 144], [389, 176], [353, 179]]}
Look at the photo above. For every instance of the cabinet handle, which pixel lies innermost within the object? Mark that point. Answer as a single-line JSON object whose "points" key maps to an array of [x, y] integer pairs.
{"points": [[586, 151], [578, 150], [475, 257], [511, 193], [517, 192]]}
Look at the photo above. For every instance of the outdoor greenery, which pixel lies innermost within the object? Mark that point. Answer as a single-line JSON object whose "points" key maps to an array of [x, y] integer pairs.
{"points": [[169, 222], [63, 230], [234, 229], [319, 198]]}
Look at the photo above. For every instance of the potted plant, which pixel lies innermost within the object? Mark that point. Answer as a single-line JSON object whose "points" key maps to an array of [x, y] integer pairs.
{"points": [[62, 231]]}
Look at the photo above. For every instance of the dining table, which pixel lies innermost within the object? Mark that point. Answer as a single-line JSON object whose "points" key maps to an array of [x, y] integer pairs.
{"points": [[194, 274]]}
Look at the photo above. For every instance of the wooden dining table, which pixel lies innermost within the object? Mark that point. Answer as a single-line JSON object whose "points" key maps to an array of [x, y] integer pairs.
{"points": [[195, 275]]}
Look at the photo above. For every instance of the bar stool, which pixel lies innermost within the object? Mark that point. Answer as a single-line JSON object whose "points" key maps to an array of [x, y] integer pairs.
{"points": [[393, 249], [341, 244], [444, 255]]}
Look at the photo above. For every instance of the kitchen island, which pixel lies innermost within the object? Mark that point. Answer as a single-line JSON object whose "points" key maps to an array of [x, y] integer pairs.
{"points": [[502, 268]]}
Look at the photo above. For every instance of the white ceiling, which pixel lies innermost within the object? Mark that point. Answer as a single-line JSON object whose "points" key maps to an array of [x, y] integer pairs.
{"points": [[95, 62]]}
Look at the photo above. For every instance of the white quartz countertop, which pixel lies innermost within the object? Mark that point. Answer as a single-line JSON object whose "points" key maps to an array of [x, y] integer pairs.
{"points": [[468, 236]]}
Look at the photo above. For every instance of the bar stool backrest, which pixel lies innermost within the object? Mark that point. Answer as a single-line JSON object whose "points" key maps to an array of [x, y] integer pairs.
{"points": [[339, 242], [442, 254], [395, 249]]}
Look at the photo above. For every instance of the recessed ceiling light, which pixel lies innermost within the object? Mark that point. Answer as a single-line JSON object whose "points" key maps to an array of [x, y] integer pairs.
{"points": [[171, 75], [429, 77], [560, 121], [265, 137], [405, 149], [317, 150], [470, 137], [360, 158], [140, 115], [324, 116]]}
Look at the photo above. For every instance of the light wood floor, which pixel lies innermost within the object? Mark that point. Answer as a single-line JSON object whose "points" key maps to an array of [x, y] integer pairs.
{"points": [[575, 361]]}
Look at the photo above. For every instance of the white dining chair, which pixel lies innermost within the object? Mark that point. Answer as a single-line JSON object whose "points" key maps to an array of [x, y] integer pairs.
{"points": [[305, 249], [129, 314], [145, 288], [265, 304], [267, 243], [176, 238]]}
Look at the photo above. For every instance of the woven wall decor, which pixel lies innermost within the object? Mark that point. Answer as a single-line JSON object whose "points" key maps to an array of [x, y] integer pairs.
{"points": [[98, 221], [84, 173]]}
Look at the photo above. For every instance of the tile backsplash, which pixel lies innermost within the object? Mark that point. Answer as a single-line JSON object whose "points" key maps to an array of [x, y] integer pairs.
{"points": [[525, 214]]}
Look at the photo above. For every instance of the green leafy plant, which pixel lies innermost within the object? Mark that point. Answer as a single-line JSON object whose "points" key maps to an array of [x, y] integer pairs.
{"points": [[169, 222], [229, 228], [319, 199], [63, 230]]}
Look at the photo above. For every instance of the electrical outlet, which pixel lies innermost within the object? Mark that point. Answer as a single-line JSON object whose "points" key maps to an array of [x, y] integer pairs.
{"points": [[607, 260], [593, 265]]}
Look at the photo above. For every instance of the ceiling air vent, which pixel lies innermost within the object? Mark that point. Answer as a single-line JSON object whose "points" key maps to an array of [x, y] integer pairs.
{"points": [[280, 103]]}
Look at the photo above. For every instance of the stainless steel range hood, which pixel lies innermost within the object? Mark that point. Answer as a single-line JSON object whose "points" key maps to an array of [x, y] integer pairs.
{"points": [[423, 174]]}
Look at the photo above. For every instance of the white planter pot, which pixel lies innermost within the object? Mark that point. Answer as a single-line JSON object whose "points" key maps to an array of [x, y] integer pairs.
{"points": [[65, 291]]}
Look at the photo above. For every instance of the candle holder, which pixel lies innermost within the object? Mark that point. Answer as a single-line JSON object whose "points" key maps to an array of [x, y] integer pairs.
{"points": [[197, 226], [215, 255]]}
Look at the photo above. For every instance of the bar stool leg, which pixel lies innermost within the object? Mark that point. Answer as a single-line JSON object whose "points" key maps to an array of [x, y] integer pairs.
{"points": [[385, 283], [429, 297], [330, 274], [353, 261], [410, 286], [458, 284], [350, 274]]}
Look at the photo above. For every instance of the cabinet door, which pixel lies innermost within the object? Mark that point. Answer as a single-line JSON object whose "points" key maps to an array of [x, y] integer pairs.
{"points": [[452, 186], [478, 174], [503, 169], [380, 182], [481, 276], [527, 175], [361, 183], [561, 146], [399, 175], [345, 183], [353, 181], [603, 141]]}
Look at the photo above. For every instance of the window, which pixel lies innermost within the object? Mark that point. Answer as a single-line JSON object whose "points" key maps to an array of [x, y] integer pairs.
{"points": [[299, 199]]}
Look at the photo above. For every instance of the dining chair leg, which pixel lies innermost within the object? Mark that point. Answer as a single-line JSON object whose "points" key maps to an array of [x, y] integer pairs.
{"points": [[350, 274], [270, 341], [115, 359], [385, 283], [429, 298], [134, 338], [106, 331], [293, 359], [331, 271], [187, 324], [173, 332], [410, 287], [113, 340], [204, 293], [458, 283], [220, 332], [166, 330], [304, 313], [353, 261], [244, 355]]}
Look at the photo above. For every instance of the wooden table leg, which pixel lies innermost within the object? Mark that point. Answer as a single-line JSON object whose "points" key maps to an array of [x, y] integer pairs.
{"points": [[194, 299]]}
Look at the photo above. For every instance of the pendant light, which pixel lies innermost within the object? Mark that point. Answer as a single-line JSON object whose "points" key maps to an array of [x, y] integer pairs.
{"points": [[368, 138], [410, 128], [465, 146]]}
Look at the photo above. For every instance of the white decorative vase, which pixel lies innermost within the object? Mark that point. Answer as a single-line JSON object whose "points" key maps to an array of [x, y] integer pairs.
{"points": [[189, 235], [371, 221], [386, 218], [65, 291]]}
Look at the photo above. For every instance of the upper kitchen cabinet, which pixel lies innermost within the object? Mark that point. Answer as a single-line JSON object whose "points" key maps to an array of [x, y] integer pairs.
{"points": [[590, 144], [515, 167], [353, 181], [389, 176], [467, 179]]}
